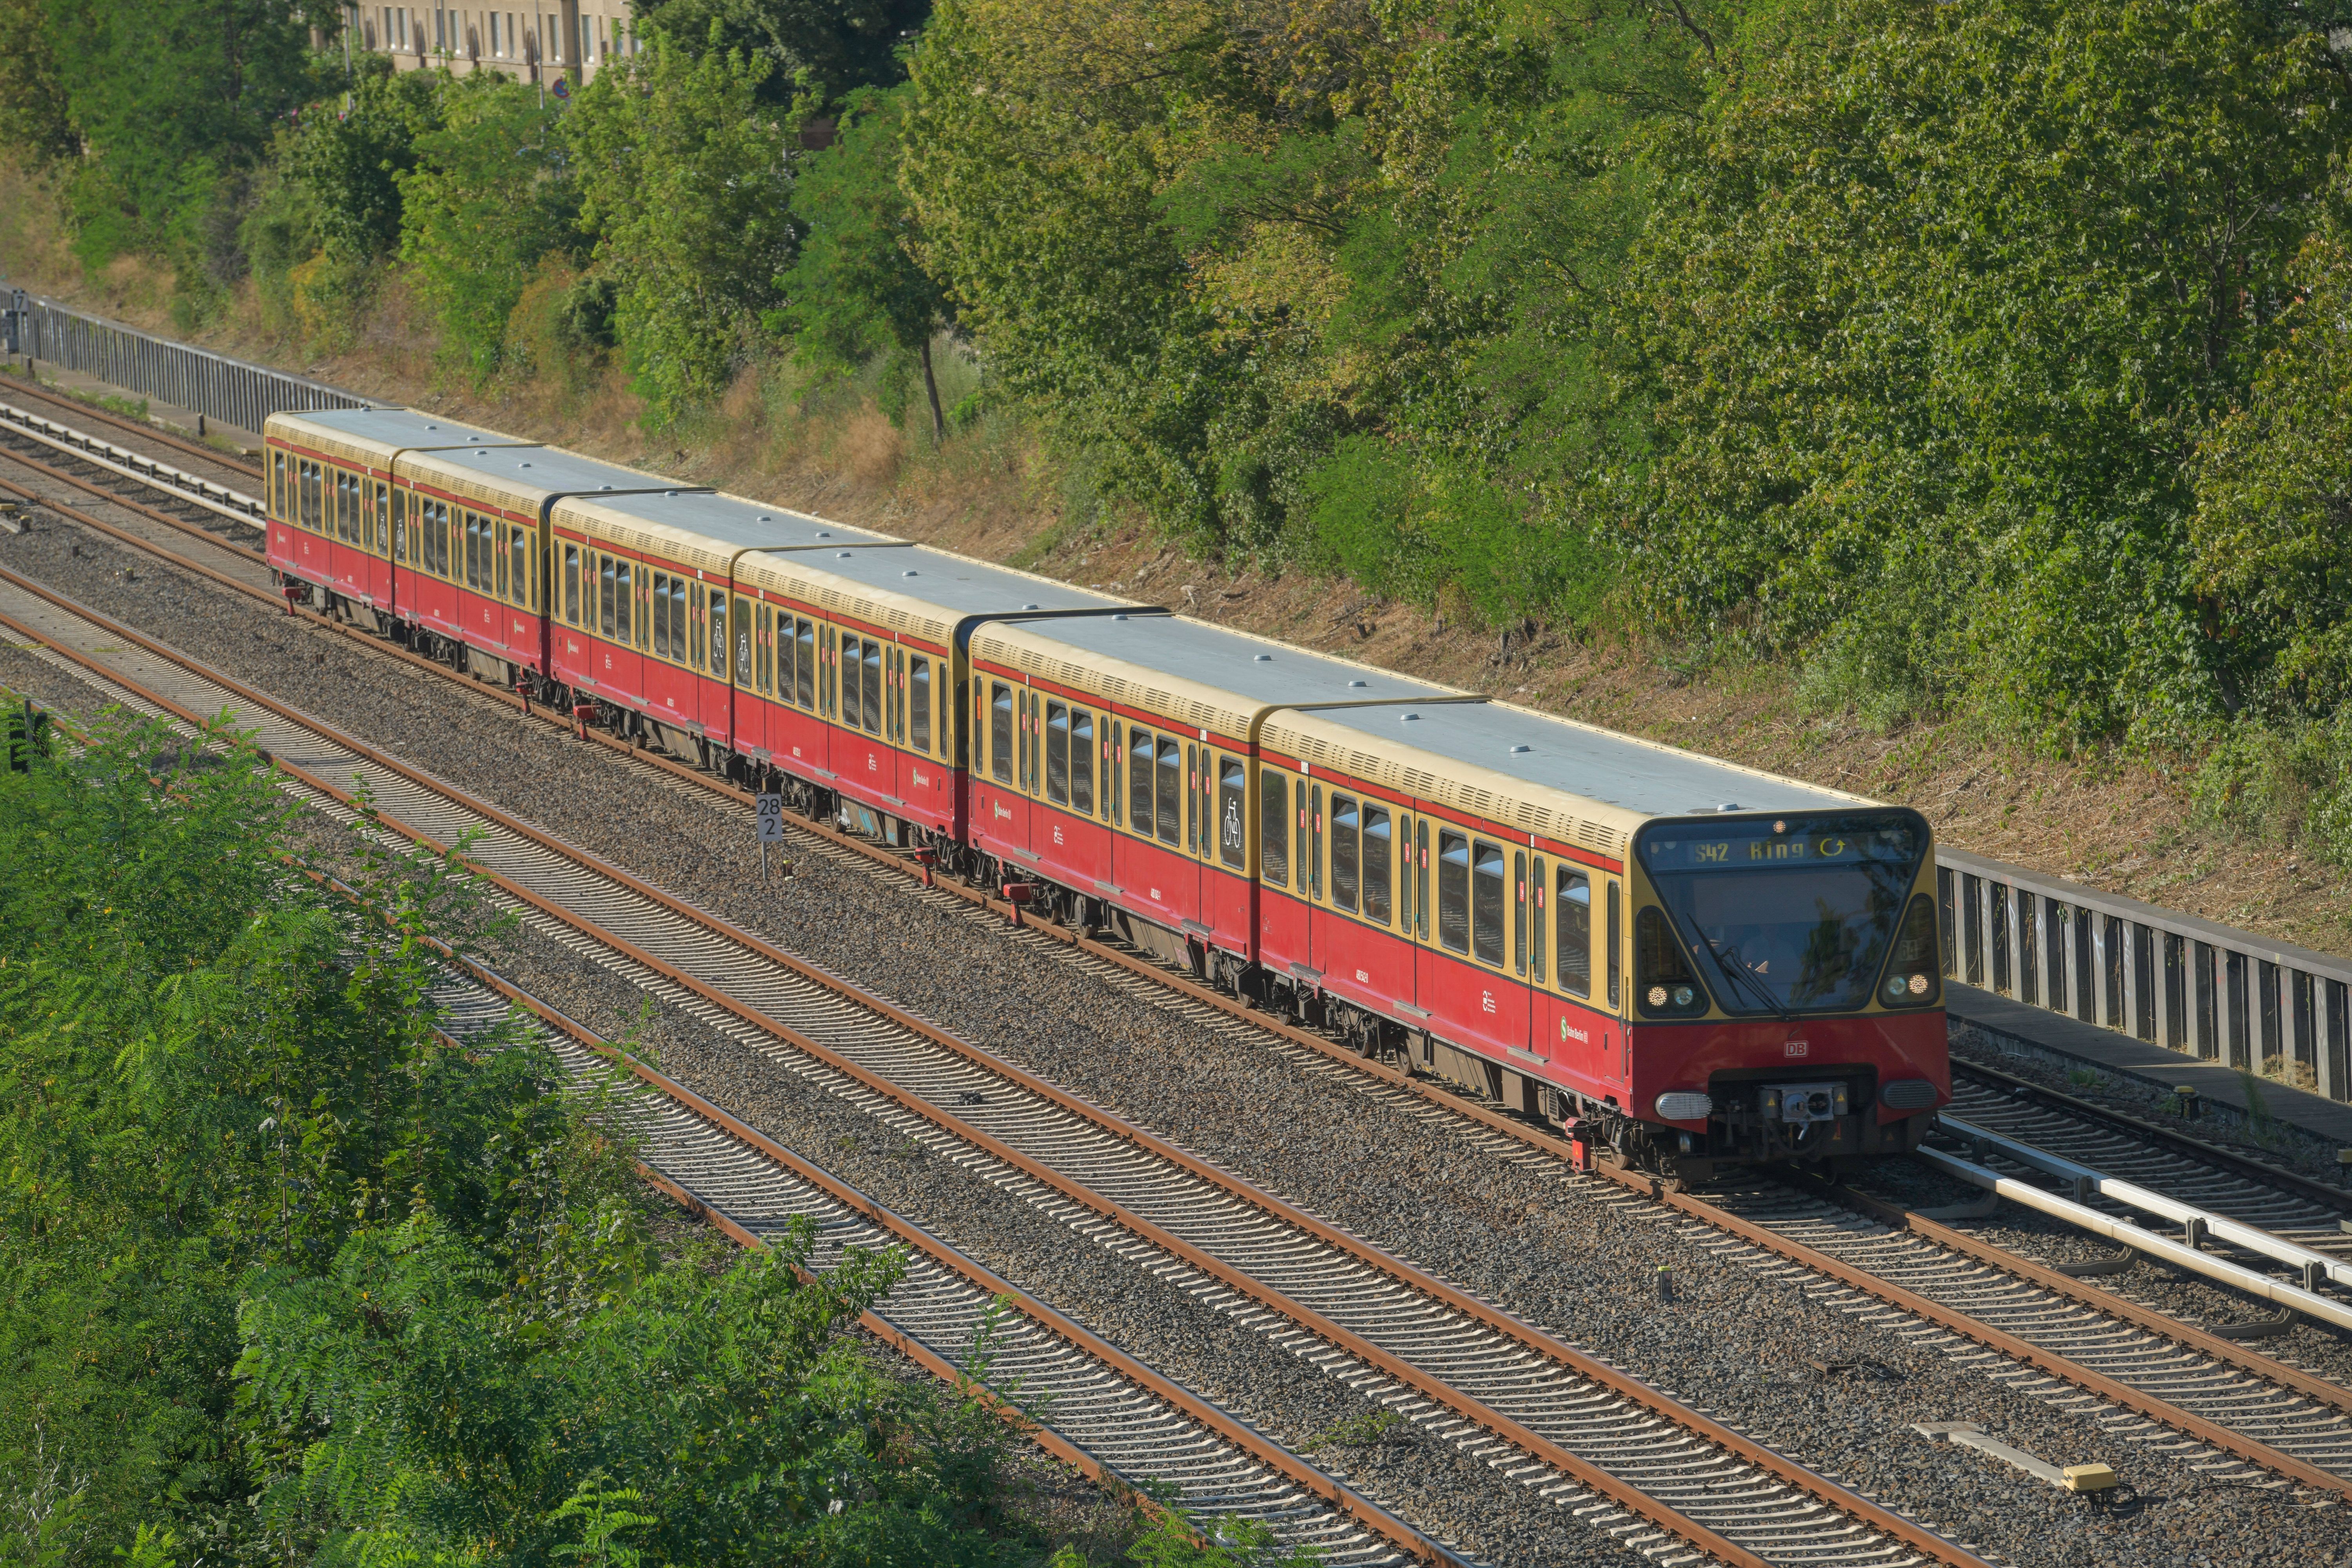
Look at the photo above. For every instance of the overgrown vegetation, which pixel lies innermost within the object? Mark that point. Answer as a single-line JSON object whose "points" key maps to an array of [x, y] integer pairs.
{"points": [[288, 1275], [1980, 359]]}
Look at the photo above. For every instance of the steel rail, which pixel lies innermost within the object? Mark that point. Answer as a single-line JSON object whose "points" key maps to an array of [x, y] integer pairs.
{"points": [[234, 505], [1396, 1369], [1517, 1130], [1342, 1500], [2232, 1161], [1294, 1469], [2312, 1264], [123, 421]]}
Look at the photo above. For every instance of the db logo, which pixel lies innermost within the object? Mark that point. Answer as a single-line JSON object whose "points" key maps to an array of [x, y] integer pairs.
{"points": [[1795, 1048]]}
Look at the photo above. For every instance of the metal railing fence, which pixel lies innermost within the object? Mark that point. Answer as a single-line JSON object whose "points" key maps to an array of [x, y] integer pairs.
{"points": [[2158, 975], [223, 390]]}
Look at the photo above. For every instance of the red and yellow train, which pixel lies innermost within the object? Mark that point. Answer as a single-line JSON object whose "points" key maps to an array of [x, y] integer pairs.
{"points": [[1693, 962]]}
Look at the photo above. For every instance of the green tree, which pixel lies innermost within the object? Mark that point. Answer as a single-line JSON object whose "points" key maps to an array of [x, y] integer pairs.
{"points": [[173, 97], [490, 194], [856, 288], [1934, 307], [34, 123], [2275, 502], [685, 183], [827, 47], [348, 164]]}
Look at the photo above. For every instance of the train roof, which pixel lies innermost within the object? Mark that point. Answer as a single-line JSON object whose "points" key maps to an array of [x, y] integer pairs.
{"points": [[931, 594], [1572, 782], [703, 529], [1212, 677], [523, 479], [731, 520], [374, 435]]}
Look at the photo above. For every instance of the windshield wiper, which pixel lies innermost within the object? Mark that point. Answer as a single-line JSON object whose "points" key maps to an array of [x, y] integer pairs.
{"points": [[1736, 969]]}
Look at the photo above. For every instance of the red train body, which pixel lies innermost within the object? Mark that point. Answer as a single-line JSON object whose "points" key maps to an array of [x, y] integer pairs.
{"points": [[1571, 922]]}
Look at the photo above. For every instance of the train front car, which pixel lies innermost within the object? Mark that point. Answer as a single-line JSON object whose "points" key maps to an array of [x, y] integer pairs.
{"points": [[1692, 962], [1787, 993]]}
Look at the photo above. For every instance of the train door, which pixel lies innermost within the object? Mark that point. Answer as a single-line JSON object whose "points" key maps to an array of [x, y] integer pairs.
{"points": [[1416, 988], [675, 636], [623, 636], [728, 707], [1071, 840], [1231, 889]]}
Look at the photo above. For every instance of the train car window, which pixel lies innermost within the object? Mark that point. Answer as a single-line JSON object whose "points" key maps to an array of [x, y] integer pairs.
{"points": [[918, 691], [1140, 751], [473, 550], [872, 670], [715, 613], [278, 484], [1272, 828], [625, 594], [1298, 809], [1169, 809], [608, 569], [805, 669], [1518, 912], [1315, 827], [1082, 761], [518, 553], [1573, 916], [1488, 896], [1376, 864], [382, 516], [1347, 829], [491, 542], [1454, 890], [1000, 732], [1057, 754], [572, 584], [1536, 898], [1404, 876], [1233, 808], [1195, 761], [763, 675], [1207, 799], [1421, 879], [1616, 946], [1113, 771], [661, 615], [853, 697], [742, 623]]}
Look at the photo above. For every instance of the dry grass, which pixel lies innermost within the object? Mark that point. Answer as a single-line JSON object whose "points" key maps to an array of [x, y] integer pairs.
{"points": [[990, 492]]}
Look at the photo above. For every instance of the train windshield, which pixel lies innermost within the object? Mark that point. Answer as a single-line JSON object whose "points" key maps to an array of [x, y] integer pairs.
{"points": [[1789, 913]]}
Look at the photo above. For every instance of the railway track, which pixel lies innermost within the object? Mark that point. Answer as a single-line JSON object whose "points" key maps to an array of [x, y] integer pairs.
{"points": [[32, 393], [2163, 1370], [1585, 1434]]}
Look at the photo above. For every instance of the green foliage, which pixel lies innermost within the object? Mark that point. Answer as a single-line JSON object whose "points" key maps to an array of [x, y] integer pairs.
{"points": [[33, 119], [686, 185], [1933, 307], [2275, 499], [348, 164], [857, 288], [828, 47], [173, 97], [490, 194], [1178, 1540], [2286, 784]]}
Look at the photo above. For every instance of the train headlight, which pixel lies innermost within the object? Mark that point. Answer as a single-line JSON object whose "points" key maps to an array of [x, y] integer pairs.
{"points": [[1684, 995], [1657, 996], [1899, 986], [1684, 1105], [1918, 985]]}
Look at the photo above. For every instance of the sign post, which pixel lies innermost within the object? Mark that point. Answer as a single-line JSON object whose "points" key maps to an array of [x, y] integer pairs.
{"points": [[772, 829]]}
